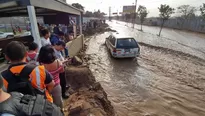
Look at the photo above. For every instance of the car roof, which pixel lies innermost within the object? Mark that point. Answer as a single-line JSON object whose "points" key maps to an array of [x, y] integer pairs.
{"points": [[121, 36]]}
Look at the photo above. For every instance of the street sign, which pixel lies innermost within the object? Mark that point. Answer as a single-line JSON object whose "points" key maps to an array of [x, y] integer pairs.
{"points": [[129, 9]]}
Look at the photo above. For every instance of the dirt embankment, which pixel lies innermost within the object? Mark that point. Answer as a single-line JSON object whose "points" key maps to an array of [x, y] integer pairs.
{"points": [[88, 98]]}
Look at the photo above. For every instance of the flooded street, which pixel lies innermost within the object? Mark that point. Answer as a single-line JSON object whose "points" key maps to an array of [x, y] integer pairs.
{"points": [[158, 83], [187, 42]]}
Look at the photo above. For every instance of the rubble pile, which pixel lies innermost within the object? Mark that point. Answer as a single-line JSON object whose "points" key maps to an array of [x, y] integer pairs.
{"points": [[101, 29], [88, 97]]}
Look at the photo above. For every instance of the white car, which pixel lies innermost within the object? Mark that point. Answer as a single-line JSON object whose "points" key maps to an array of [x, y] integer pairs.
{"points": [[6, 35], [27, 33], [122, 46]]}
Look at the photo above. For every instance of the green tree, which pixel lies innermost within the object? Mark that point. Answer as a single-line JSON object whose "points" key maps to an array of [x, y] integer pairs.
{"points": [[79, 6], [142, 13], [88, 14], [202, 9], [186, 12], [98, 14], [165, 13]]}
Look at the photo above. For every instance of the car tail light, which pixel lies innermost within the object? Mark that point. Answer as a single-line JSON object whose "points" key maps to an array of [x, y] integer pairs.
{"points": [[114, 50]]}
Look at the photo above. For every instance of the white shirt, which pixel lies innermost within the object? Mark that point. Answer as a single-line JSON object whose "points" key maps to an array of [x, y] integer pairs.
{"points": [[58, 55], [45, 42]]}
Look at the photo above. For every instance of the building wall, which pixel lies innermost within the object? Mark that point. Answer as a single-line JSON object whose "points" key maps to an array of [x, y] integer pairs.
{"points": [[193, 24]]}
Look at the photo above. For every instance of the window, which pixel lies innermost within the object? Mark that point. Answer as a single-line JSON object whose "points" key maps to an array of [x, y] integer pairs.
{"points": [[109, 37], [112, 41], [126, 43]]}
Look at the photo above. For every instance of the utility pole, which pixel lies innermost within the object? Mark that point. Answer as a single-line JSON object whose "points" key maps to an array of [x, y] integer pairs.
{"points": [[109, 13], [133, 21], [117, 15]]}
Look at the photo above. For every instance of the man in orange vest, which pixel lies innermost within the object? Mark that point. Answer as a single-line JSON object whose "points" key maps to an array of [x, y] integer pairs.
{"points": [[25, 78]]}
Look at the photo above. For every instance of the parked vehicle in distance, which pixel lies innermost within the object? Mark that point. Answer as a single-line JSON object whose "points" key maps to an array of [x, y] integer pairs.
{"points": [[122, 46], [26, 33], [6, 35]]}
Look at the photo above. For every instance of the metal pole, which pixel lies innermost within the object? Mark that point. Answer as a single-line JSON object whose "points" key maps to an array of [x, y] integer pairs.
{"points": [[136, 3], [34, 26], [109, 13], [117, 15], [80, 21], [134, 14]]}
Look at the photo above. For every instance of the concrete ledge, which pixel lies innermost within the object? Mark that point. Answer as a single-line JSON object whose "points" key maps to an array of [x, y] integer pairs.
{"points": [[75, 46]]}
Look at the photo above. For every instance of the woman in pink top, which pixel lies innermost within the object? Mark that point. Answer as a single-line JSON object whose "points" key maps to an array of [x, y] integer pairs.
{"points": [[32, 54], [54, 66]]}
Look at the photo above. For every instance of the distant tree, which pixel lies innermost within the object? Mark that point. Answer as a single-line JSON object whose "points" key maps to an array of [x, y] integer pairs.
{"points": [[103, 14], [165, 13], [142, 13], [186, 12], [127, 17], [97, 14], [88, 14], [202, 9], [79, 6]]}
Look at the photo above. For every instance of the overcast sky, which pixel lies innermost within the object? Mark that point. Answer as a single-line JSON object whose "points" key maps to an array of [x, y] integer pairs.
{"points": [[152, 5]]}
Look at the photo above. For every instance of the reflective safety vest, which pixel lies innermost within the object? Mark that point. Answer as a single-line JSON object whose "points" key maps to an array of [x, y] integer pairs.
{"points": [[36, 77]]}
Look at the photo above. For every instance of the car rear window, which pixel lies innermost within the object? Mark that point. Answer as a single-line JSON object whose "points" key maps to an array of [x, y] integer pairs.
{"points": [[127, 43]]}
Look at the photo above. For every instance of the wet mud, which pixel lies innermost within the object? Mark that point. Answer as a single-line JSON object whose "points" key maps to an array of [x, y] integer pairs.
{"points": [[183, 41], [161, 82]]}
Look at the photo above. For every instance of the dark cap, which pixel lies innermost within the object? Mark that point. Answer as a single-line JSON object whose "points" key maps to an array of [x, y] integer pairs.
{"points": [[56, 30], [1, 81], [60, 33], [61, 43]]}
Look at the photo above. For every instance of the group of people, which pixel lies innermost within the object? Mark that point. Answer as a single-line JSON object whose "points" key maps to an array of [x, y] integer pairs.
{"points": [[36, 73], [92, 24], [16, 29]]}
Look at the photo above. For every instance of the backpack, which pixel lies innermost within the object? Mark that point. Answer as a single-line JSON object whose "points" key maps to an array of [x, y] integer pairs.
{"points": [[32, 61], [20, 82], [27, 105]]}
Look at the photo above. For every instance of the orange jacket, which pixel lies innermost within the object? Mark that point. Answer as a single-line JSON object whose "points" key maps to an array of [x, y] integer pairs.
{"points": [[37, 77]]}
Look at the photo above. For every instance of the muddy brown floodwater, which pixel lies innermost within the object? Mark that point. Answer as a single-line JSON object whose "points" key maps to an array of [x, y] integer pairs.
{"points": [[158, 83]]}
